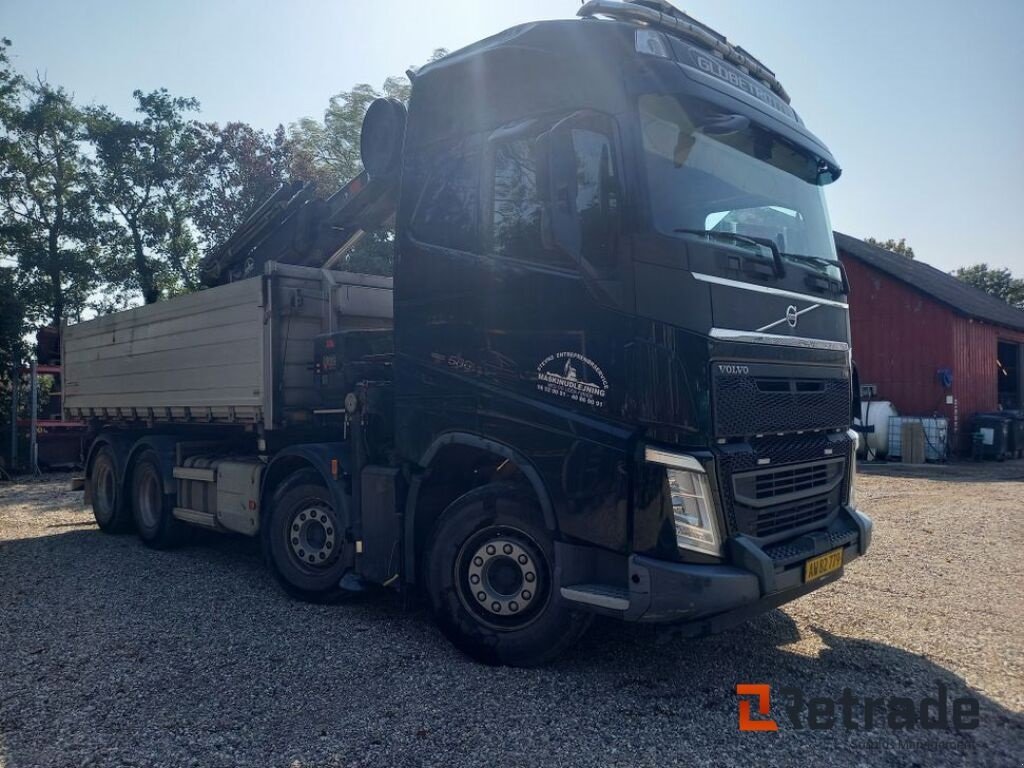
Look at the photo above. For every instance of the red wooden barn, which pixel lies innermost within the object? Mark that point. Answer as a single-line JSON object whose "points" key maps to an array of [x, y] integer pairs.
{"points": [[930, 343]]}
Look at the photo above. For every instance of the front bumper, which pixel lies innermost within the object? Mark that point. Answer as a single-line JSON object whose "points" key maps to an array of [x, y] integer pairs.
{"points": [[709, 598]]}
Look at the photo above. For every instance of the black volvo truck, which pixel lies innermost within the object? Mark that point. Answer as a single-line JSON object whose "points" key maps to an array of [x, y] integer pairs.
{"points": [[615, 377]]}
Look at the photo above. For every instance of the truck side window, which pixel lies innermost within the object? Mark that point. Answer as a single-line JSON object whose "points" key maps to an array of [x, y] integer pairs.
{"points": [[517, 209], [446, 214], [597, 198]]}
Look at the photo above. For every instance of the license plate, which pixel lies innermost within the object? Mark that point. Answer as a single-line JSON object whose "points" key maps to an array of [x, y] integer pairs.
{"points": [[822, 565]]}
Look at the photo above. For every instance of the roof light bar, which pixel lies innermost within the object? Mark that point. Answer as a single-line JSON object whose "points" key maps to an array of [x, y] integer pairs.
{"points": [[682, 25]]}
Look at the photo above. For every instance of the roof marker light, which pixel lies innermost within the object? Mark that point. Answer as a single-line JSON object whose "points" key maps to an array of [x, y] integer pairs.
{"points": [[652, 43]]}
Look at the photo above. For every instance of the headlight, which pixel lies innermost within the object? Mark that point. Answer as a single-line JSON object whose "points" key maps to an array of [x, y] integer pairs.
{"points": [[852, 500], [693, 509]]}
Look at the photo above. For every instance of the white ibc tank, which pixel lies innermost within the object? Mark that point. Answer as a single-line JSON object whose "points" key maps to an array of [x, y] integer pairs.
{"points": [[876, 413]]}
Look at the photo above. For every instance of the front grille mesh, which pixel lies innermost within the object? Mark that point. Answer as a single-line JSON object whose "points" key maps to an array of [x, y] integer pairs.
{"points": [[786, 517], [737, 468], [745, 405], [786, 481], [795, 481]]}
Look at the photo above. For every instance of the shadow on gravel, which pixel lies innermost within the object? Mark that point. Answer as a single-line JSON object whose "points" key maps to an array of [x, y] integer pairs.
{"points": [[112, 654]]}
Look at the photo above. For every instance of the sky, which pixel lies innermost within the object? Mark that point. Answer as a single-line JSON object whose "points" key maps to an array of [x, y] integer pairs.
{"points": [[921, 101]]}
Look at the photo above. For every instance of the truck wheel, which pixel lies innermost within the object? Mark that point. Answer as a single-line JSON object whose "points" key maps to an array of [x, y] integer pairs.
{"points": [[303, 538], [152, 508], [489, 574], [108, 507]]}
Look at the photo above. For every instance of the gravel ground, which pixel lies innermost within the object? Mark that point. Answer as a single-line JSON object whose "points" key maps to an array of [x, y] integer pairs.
{"points": [[112, 654]]}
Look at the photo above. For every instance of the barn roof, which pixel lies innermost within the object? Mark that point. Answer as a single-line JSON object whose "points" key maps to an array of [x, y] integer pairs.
{"points": [[941, 286]]}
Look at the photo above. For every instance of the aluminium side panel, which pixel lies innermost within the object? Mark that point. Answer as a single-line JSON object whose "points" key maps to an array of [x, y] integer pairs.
{"points": [[194, 357]]}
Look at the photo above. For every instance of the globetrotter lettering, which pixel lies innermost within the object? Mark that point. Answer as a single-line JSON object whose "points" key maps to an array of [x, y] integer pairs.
{"points": [[722, 72], [572, 376]]}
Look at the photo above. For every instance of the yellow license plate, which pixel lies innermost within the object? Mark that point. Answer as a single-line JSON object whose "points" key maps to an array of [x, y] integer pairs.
{"points": [[821, 565]]}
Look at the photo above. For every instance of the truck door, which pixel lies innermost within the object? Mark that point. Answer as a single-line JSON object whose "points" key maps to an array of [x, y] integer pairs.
{"points": [[516, 331], [552, 233]]}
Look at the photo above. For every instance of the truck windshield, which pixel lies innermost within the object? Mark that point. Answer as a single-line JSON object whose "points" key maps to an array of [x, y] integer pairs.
{"points": [[709, 172]]}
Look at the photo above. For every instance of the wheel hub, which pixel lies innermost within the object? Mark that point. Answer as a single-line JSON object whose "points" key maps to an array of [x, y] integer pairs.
{"points": [[312, 536], [502, 577]]}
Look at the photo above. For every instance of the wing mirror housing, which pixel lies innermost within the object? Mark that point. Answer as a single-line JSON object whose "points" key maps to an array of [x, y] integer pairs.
{"points": [[557, 185]]}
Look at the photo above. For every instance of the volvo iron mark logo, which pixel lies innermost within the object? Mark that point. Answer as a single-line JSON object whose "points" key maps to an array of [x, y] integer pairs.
{"points": [[792, 316]]}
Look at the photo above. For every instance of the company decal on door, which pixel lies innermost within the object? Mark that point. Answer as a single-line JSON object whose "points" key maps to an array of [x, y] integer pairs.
{"points": [[572, 376]]}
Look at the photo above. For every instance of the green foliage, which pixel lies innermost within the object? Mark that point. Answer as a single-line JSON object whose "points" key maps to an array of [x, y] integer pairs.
{"points": [[12, 323], [97, 209], [996, 281], [373, 256], [141, 166], [10, 81], [12, 348], [234, 168], [327, 154], [47, 217], [896, 246]]}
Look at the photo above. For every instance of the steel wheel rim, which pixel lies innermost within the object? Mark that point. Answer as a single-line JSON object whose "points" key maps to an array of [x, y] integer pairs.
{"points": [[312, 533], [503, 578]]}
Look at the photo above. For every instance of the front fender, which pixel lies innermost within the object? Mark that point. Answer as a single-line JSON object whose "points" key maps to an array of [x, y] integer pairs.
{"points": [[330, 460]]}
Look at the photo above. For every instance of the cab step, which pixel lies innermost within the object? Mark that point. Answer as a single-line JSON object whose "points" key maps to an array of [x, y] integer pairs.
{"points": [[196, 517], [598, 595]]}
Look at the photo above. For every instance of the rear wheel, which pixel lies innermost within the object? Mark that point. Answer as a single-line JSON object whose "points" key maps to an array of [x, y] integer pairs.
{"points": [[303, 538], [109, 508], [489, 573], [152, 507]]}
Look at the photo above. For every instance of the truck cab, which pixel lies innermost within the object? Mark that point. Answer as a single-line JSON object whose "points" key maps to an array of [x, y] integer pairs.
{"points": [[615, 262]]}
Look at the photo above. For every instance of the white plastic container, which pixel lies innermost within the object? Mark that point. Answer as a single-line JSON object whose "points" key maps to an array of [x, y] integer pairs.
{"points": [[936, 436], [876, 413]]}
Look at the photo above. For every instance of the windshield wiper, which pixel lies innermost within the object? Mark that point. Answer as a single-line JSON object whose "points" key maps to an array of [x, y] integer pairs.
{"points": [[779, 268], [821, 261]]}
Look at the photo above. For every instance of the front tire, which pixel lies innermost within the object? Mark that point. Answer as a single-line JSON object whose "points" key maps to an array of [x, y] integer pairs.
{"points": [[303, 539], [112, 514], [152, 507], [489, 573]]}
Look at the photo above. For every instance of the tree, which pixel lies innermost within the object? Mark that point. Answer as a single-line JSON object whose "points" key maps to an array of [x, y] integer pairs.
{"points": [[11, 82], [47, 215], [235, 168], [142, 168], [327, 154], [895, 246], [995, 281], [12, 346]]}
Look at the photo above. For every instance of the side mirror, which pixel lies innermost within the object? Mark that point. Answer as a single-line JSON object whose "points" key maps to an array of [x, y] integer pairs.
{"points": [[855, 399], [557, 184]]}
